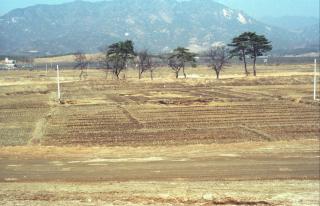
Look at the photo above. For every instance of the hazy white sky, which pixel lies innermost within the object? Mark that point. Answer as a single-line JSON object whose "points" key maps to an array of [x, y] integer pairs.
{"points": [[255, 8]]}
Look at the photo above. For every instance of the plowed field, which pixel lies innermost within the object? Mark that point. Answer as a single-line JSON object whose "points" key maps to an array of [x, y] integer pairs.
{"points": [[195, 141]]}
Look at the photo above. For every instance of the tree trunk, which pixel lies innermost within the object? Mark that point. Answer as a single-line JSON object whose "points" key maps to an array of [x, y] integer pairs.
{"points": [[81, 73], [117, 73], [254, 66], [217, 73], [245, 63], [151, 74], [184, 73], [139, 73]]}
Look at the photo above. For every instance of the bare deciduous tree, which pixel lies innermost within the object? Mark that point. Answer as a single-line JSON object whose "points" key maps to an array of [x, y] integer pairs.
{"points": [[218, 57], [105, 63], [144, 63], [175, 65], [81, 63]]}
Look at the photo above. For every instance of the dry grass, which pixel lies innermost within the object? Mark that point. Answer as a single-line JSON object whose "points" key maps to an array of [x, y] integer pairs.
{"points": [[162, 193], [66, 58]]}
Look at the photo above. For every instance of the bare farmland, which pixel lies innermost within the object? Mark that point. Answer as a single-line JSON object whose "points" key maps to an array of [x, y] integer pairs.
{"points": [[208, 137]]}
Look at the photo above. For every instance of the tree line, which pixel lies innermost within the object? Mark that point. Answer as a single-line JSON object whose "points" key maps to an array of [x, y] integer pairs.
{"points": [[117, 56]]}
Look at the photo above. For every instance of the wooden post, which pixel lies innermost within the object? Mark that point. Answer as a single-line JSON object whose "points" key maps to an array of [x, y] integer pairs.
{"points": [[58, 83], [315, 81]]}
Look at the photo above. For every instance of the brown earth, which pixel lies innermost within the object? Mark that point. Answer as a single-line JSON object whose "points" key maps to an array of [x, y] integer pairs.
{"points": [[256, 173], [199, 141]]}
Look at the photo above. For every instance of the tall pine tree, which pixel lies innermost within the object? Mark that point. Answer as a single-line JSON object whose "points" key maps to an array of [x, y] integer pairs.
{"points": [[259, 45], [249, 43], [179, 58], [241, 44]]}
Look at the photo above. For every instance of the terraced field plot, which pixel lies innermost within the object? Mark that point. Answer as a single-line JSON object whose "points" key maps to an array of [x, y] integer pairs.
{"points": [[165, 111], [20, 110], [109, 113]]}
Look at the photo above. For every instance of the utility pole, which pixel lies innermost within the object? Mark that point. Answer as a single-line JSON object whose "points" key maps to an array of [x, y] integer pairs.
{"points": [[58, 83], [315, 81], [87, 68]]}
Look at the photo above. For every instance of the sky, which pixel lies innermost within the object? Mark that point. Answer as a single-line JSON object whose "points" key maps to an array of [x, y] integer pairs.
{"points": [[255, 8]]}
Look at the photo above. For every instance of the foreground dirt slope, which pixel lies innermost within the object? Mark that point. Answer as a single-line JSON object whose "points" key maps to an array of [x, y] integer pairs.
{"points": [[265, 173], [241, 161], [162, 193]]}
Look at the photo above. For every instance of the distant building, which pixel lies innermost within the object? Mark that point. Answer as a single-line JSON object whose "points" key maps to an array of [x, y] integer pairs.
{"points": [[9, 63], [265, 61]]}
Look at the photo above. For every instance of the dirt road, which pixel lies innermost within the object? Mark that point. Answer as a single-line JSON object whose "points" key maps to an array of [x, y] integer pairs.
{"points": [[256, 173], [199, 165]]}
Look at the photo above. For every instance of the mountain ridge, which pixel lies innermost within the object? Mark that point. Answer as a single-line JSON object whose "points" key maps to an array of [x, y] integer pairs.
{"points": [[158, 25]]}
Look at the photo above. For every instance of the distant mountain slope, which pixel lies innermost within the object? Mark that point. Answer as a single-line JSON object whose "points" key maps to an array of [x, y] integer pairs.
{"points": [[291, 23], [307, 28], [159, 25], [311, 33]]}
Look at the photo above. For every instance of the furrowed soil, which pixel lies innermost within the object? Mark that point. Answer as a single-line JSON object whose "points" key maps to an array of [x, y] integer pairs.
{"points": [[196, 141]]}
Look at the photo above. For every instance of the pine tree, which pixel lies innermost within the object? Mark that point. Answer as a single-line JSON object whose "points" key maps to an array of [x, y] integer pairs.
{"points": [[118, 55], [179, 58], [241, 46], [259, 45], [249, 43]]}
